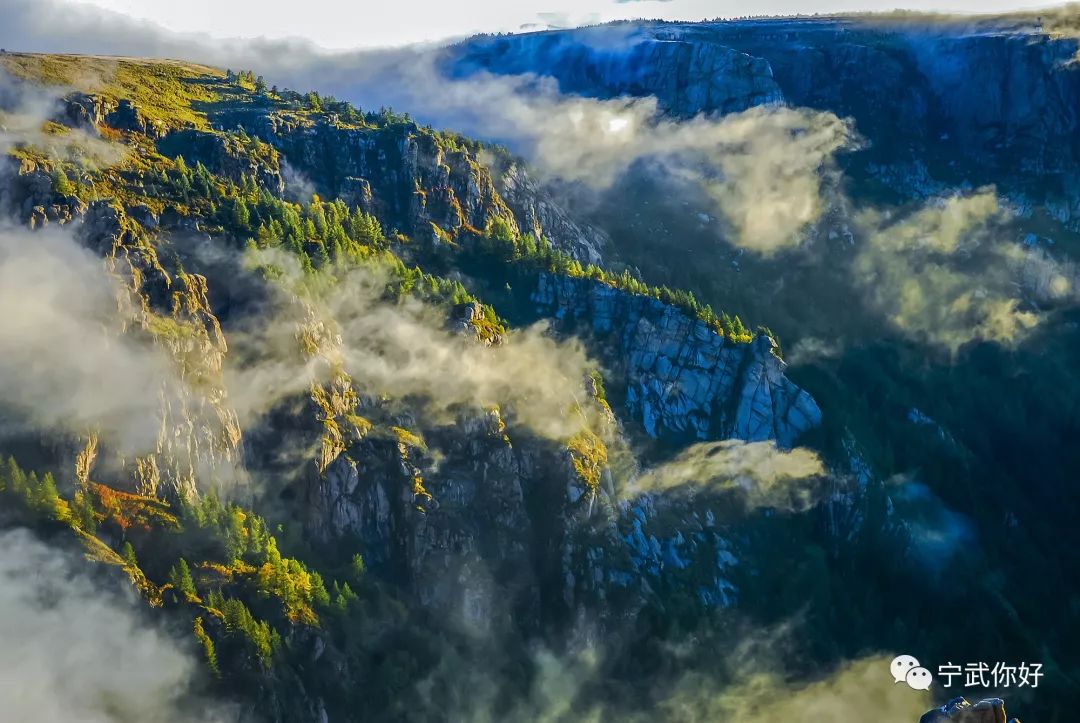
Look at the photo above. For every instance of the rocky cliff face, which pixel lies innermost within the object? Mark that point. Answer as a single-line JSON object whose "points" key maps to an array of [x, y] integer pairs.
{"points": [[480, 518], [1003, 102], [995, 105], [686, 77], [423, 184], [91, 111], [227, 156], [540, 214], [683, 381], [504, 531], [198, 434], [499, 532], [454, 528]]}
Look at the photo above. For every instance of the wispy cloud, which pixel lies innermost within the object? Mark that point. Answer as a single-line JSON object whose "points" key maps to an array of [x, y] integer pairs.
{"points": [[858, 692], [760, 474], [764, 170], [936, 532], [749, 682], [405, 349], [76, 650], [946, 273], [25, 114], [66, 362]]}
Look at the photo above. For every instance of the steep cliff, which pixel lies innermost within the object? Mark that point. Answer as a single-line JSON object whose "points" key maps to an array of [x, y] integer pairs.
{"points": [[683, 380], [426, 556], [686, 76], [197, 433], [428, 185], [986, 103]]}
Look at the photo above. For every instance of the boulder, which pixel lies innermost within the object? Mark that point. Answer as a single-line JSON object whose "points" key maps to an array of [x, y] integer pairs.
{"points": [[82, 110], [146, 217], [128, 117], [959, 710]]}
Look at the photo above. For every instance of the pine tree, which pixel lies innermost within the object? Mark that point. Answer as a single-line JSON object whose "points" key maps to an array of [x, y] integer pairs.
{"points": [[215, 600], [241, 215], [16, 479], [128, 553], [46, 498], [62, 184], [322, 256], [180, 578], [208, 646], [358, 567], [738, 330], [82, 512], [347, 593], [319, 595], [235, 615], [202, 181], [235, 532], [727, 326], [29, 490], [337, 251]]}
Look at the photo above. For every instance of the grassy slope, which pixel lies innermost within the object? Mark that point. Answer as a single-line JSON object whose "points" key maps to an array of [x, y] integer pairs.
{"points": [[167, 91]]}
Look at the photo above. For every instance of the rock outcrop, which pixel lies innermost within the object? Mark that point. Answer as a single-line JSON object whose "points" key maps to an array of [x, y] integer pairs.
{"points": [[541, 215], [415, 180], [454, 531], [502, 530], [90, 111], [683, 381], [404, 174], [28, 193], [198, 434], [227, 156], [958, 710], [686, 77]]}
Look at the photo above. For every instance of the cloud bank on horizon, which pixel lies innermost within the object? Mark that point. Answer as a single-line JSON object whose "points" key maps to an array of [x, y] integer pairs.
{"points": [[332, 24]]}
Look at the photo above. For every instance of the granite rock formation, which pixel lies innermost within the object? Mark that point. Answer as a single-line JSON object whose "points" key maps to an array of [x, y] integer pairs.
{"points": [[683, 381]]}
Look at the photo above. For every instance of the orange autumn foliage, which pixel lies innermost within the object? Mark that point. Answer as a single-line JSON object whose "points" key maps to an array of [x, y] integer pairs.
{"points": [[131, 511]]}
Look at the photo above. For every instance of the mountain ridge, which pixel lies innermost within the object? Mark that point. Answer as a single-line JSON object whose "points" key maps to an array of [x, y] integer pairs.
{"points": [[183, 215]]}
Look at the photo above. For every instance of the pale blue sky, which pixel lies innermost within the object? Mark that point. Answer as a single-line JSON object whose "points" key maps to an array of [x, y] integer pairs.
{"points": [[367, 23]]}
